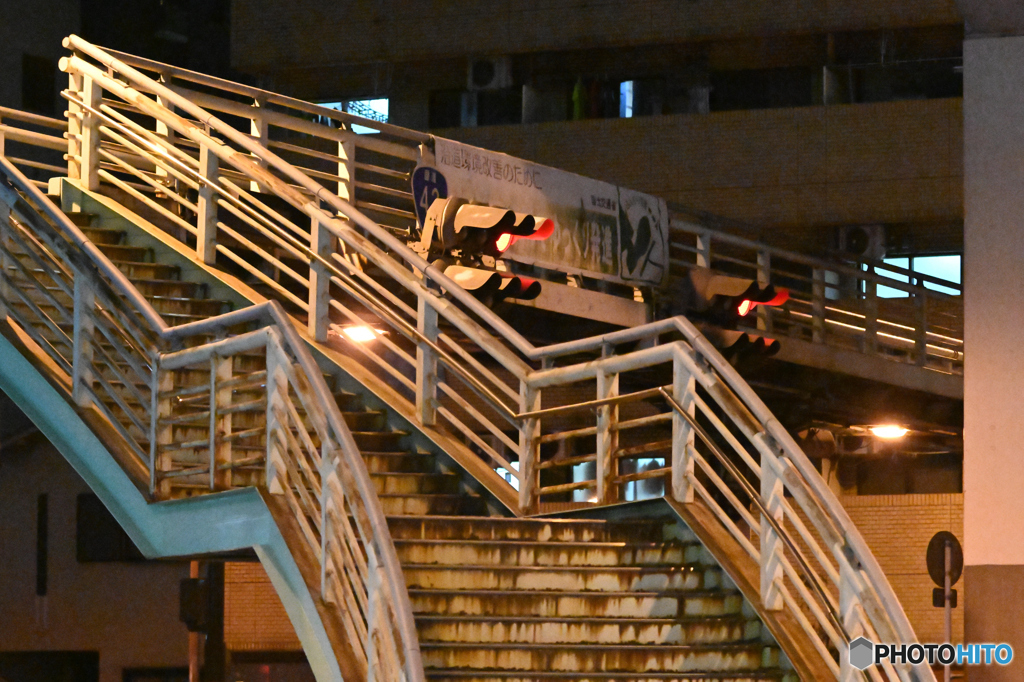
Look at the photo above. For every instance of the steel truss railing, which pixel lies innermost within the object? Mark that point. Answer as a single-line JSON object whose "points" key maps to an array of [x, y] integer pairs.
{"points": [[662, 393], [228, 401]]}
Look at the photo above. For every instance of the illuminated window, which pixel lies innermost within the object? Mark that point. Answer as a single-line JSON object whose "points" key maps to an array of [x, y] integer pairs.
{"points": [[948, 267], [626, 99], [373, 109]]}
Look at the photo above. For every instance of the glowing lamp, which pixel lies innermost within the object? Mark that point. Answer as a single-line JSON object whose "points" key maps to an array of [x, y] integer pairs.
{"points": [[360, 334], [888, 431]]}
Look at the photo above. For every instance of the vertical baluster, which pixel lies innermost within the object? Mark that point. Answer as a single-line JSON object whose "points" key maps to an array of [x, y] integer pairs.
{"points": [[260, 129], [277, 393], [83, 132], [221, 371], [206, 220], [529, 448], [850, 614], [607, 436], [764, 278], [870, 344], [921, 332], [162, 434], [6, 265], [82, 352], [347, 169], [2, 152], [321, 243], [373, 614], [773, 497], [327, 534], [818, 306], [703, 249], [683, 389], [426, 364]]}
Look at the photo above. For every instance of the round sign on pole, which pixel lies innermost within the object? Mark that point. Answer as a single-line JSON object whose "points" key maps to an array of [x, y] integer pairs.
{"points": [[936, 558]]}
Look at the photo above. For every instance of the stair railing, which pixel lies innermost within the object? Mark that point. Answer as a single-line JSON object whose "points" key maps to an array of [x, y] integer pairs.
{"points": [[224, 402], [488, 383], [919, 320]]}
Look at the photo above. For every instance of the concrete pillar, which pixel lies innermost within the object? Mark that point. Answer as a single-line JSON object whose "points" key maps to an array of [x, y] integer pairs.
{"points": [[994, 332]]}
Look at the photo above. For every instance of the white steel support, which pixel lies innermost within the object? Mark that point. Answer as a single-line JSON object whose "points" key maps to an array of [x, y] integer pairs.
{"points": [[607, 437], [529, 447], [82, 379], [683, 438], [5, 263], [206, 242], [162, 434], [277, 382], [921, 336], [870, 316], [347, 170], [321, 243], [764, 278], [373, 614], [426, 364], [83, 132], [221, 371], [773, 498], [703, 249], [818, 305], [260, 131]]}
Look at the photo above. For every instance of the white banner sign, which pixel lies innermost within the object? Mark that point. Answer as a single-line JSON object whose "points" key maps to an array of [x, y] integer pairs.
{"points": [[601, 230]]}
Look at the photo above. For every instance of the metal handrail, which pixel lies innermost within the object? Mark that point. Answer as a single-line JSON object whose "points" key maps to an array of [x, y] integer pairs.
{"points": [[270, 315], [880, 602]]}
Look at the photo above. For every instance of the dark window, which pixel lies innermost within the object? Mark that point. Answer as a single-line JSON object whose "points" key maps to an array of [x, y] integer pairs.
{"points": [[762, 89], [445, 109], [154, 675], [38, 84], [59, 666], [99, 536]]}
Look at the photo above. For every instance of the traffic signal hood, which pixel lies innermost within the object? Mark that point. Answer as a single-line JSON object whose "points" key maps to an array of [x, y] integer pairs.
{"points": [[454, 223], [720, 299], [493, 287]]}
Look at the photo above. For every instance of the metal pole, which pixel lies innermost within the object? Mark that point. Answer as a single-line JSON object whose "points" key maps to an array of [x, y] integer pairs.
{"points": [[193, 637], [949, 608]]}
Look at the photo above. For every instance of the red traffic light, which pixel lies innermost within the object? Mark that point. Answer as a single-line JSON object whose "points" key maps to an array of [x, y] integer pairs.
{"points": [[484, 230]]}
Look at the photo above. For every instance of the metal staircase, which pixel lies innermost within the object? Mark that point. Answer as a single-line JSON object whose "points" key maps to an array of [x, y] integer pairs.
{"points": [[377, 462]]}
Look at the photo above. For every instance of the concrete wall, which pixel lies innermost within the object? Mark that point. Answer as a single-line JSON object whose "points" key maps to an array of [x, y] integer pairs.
{"points": [[268, 34], [126, 612], [36, 28], [786, 169]]}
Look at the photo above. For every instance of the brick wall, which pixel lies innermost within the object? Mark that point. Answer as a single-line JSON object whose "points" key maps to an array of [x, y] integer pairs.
{"points": [[254, 619], [788, 170], [897, 528], [270, 34]]}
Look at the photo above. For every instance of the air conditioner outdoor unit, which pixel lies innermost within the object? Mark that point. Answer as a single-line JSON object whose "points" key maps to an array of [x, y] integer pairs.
{"points": [[489, 73], [862, 241]]}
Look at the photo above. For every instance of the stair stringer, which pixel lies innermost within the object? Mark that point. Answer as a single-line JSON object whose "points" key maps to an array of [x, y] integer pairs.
{"points": [[220, 522], [348, 372]]}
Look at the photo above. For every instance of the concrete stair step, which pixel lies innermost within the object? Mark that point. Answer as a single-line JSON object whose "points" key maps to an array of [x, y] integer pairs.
{"points": [[102, 236], [349, 402], [566, 604], [647, 631], [399, 462], [415, 483], [558, 578], [81, 219], [379, 441], [124, 253], [462, 675], [535, 553], [369, 420], [437, 504], [542, 530], [141, 270], [599, 657]]}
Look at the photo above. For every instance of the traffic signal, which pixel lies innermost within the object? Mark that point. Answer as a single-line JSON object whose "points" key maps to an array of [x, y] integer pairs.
{"points": [[740, 347], [492, 287], [454, 223], [720, 299]]}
